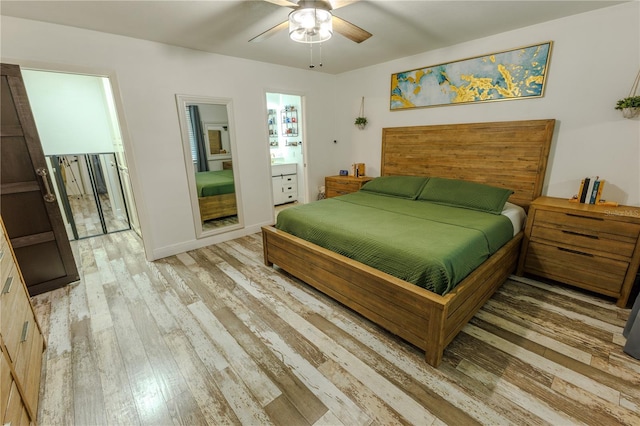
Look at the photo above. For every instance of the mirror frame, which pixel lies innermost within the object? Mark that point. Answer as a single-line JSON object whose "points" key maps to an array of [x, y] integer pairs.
{"points": [[182, 101]]}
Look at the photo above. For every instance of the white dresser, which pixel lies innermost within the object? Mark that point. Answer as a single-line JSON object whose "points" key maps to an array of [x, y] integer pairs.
{"points": [[284, 179]]}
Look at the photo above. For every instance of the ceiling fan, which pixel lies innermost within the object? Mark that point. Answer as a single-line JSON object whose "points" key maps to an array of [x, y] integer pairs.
{"points": [[320, 11]]}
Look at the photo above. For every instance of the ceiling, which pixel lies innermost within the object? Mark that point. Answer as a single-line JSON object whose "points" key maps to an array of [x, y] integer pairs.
{"points": [[399, 28]]}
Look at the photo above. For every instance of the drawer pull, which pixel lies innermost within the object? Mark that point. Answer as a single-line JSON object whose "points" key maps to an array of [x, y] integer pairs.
{"points": [[595, 237], [585, 217], [25, 331], [7, 285], [575, 252]]}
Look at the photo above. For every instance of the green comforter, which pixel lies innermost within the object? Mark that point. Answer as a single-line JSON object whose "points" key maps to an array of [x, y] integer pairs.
{"points": [[215, 183], [431, 245]]}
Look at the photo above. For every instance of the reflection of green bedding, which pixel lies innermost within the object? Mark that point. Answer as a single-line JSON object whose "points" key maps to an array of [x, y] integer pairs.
{"points": [[431, 245], [215, 183]]}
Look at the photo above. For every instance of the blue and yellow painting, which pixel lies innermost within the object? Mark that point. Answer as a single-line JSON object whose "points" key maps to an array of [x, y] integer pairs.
{"points": [[514, 74]]}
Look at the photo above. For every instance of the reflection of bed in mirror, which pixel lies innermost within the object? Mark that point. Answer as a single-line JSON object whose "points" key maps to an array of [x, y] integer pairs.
{"points": [[216, 194]]}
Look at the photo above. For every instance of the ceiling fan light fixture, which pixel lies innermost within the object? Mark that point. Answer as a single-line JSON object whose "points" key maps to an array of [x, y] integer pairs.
{"points": [[310, 25]]}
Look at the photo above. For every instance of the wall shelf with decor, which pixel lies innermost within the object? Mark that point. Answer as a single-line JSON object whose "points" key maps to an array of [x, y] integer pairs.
{"points": [[272, 125], [289, 121]]}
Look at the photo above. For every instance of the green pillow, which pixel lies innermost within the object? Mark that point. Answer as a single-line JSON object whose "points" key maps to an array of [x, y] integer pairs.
{"points": [[397, 186], [470, 195]]}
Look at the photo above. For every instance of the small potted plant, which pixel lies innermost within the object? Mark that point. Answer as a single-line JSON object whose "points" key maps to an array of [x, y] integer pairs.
{"points": [[361, 122], [630, 106]]}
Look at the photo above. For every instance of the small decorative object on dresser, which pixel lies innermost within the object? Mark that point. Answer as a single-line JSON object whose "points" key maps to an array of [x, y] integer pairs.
{"points": [[340, 185], [594, 247], [357, 170], [21, 344]]}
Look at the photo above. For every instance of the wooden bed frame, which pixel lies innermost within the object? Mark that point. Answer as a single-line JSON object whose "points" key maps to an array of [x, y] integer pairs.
{"points": [[217, 206], [505, 154]]}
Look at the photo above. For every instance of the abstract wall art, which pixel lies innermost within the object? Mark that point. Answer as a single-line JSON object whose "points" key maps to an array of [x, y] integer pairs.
{"points": [[513, 74]]}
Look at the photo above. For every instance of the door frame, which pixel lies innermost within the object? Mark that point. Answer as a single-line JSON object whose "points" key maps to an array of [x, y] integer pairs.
{"points": [[304, 188], [142, 213]]}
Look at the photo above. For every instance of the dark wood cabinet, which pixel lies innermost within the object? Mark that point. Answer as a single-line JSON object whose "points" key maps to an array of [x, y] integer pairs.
{"points": [[28, 204]]}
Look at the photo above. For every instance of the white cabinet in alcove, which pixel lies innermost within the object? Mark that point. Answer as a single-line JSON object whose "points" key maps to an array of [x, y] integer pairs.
{"points": [[284, 180]]}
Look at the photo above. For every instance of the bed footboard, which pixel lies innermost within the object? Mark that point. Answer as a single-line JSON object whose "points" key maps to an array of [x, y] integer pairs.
{"points": [[217, 206], [420, 317]]}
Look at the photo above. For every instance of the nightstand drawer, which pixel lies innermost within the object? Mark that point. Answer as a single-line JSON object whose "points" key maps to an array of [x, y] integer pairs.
{"points": [[331, 192], [344, 186], [613, 244], [588, 246], [341, 185], [578, 268], [588, 223]]}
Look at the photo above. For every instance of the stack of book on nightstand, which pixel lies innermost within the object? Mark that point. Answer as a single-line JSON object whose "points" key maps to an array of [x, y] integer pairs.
{"points": [[590, 190], [357, 169]]}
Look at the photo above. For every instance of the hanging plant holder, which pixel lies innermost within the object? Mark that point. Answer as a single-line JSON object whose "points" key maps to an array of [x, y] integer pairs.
{"points": [[630, 112], [361, 120], [630, 106]]}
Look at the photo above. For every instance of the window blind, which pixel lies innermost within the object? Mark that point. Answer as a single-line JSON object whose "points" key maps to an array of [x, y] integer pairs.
{"points": [[192, 138]]}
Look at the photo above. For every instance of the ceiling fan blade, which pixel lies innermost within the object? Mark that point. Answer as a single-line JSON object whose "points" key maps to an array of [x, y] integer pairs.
{"points": [[349, 30], [337, 4], [271, 31], [285, 3]]}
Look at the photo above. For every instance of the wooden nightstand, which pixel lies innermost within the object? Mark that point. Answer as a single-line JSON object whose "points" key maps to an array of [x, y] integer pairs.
{"points": [[340, 185], [596, 248]]}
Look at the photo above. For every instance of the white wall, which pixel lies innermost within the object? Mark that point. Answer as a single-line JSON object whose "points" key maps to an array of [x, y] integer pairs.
{"points": [[147, 77], [70, 111], [594, 61]]}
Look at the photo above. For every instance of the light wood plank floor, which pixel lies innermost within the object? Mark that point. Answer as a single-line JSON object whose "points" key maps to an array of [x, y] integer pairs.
{"points": [[87, 219], [213, 336]]}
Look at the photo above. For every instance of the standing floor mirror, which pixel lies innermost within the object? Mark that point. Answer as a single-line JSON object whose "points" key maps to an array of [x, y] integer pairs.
{"points": [[210, 160]]}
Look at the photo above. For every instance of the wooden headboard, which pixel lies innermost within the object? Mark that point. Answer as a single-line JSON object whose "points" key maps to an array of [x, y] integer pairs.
{"points": [[510, 154]]}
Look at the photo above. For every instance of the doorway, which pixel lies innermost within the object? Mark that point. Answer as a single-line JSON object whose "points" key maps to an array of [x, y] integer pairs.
{"points": [[287, 148], [77, 121]]}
